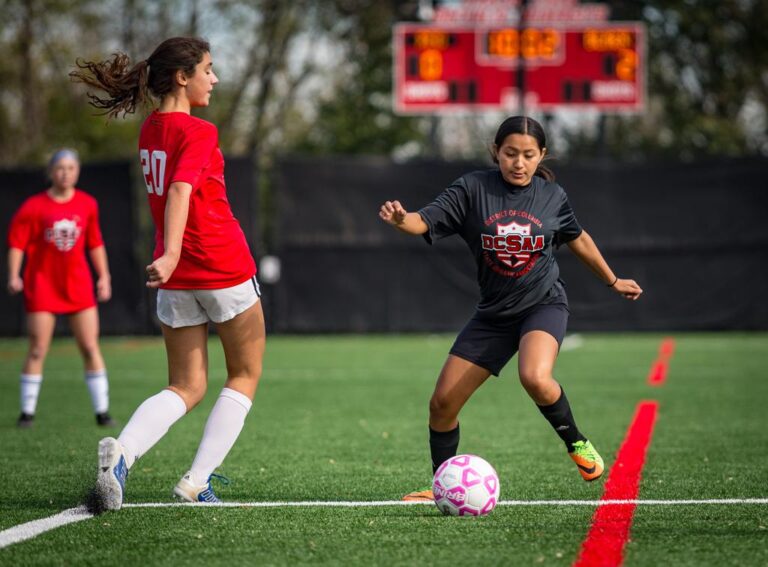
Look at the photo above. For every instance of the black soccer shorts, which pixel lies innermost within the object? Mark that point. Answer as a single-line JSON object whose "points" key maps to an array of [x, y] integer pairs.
{"points": [[491, 343]]}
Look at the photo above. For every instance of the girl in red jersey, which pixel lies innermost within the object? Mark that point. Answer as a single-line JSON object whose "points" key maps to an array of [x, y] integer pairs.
{"points": [[54, 229], [202, 267]]}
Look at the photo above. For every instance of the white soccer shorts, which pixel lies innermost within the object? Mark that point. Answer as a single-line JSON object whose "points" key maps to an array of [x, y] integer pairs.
{"points": [[188, 307]]}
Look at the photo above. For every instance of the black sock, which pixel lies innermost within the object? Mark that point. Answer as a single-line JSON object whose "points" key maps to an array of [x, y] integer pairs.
{"points": [[561, 419], [443, 445]]}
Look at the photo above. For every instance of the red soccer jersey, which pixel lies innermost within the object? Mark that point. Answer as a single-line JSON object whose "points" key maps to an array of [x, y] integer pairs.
{"points": [[174, 146], [54, 237]]}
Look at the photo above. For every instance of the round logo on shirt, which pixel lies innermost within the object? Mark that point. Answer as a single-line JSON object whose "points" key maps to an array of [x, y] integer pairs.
{"points": [[64, 234]]}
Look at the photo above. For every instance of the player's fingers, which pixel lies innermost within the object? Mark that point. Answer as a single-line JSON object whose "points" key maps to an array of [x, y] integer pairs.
{"points": [[155, 280]]}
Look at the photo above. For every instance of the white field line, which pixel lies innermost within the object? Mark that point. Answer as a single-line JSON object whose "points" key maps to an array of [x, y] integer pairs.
{"points": [[374, 503], [33, 529], [572, 342]]}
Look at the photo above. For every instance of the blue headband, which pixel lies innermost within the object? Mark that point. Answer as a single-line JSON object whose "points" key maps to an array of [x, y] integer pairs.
{"points": [[63, 154]]}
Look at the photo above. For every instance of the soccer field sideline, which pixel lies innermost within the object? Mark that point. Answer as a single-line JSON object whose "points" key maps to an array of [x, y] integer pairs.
{"points": [[31, 530]]}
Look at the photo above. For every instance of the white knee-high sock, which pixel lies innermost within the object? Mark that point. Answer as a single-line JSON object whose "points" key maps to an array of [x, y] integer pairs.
{"points": [[221, 431], [98, 387], [149, 423], [30, 390]]}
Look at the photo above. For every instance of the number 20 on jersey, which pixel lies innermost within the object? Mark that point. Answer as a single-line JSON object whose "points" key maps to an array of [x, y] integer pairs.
{"points": [[153, 166]]}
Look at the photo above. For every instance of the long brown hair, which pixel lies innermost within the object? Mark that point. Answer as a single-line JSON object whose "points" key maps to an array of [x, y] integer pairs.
{"points": [[529, 126], [130, 85]]}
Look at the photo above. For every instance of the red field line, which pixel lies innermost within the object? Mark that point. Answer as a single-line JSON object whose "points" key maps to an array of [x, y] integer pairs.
{"points": [[658, 374], [604, 544]]}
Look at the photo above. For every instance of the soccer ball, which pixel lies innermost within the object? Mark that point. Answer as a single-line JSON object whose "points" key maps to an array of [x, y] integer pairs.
{"points": [[466, 485]]}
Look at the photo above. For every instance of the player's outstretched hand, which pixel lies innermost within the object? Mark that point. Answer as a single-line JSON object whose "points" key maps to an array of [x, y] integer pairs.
{"points": [[392, 212], [628, 289], [15, 285], [159, 271]]}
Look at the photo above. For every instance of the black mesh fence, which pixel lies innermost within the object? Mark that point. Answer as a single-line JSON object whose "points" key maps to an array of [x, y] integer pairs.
{"points": [[693, 235]]}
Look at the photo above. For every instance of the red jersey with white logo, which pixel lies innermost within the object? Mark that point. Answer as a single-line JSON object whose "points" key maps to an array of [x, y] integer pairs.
{"points": [[54, 237], [174, 146]]}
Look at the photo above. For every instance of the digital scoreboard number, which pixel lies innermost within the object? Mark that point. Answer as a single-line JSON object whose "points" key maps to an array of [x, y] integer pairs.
{"points": [[442, 69]]}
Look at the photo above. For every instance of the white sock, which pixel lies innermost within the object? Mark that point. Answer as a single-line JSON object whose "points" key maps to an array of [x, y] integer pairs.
{"points": [[221, 431], [149, 423], [98, 387], [30, 390]]}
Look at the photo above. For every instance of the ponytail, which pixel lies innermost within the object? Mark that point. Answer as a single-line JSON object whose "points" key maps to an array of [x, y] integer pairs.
{"points": [[544, 172], [125, 85]]}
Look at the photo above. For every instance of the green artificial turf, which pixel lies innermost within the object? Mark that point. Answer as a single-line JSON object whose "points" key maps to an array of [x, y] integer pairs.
{"points": [[344, 418]]}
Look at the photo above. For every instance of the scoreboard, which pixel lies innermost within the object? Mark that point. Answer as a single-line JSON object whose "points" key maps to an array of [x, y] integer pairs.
{"points": [[469, 68]]}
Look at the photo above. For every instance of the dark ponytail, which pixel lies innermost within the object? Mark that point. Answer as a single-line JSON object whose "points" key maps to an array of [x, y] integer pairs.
{"points": [[129, 86], [125, 85], [529, 126]]}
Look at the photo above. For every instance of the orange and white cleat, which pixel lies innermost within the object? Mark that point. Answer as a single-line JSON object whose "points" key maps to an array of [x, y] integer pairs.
{"points": [[588, 460], [423, 495]]}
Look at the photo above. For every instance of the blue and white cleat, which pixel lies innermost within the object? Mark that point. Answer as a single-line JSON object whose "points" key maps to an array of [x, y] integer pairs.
{"points": [[110, 482], [188, 491]]}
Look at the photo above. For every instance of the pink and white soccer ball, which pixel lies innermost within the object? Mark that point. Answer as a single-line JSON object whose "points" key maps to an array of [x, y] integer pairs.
{"points": [[466, 485]]}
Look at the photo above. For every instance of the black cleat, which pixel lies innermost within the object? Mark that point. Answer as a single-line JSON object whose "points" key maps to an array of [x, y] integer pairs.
{"points": [[105, 420], [26, 420]]}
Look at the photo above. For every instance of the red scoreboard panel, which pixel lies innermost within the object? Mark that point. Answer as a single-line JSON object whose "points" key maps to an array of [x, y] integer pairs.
{"points": [[447, 68]]}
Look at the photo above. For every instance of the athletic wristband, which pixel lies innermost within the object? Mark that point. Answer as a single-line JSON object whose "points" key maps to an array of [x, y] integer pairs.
{"points": [[614, 282]]}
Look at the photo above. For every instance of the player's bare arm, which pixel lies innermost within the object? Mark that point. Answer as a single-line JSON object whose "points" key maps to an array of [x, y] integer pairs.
{"points": [[586, 250], [393, 213], [15, 283], [176, 213], [104, 279]]}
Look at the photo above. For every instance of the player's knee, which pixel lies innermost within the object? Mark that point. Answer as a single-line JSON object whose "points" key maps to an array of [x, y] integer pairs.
{"points": [[36, 352], [440, 406], [89, 351], [534, 378]]}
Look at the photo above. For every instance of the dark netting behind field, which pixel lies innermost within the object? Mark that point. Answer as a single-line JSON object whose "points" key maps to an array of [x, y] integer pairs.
{"points": [[692, 235]]}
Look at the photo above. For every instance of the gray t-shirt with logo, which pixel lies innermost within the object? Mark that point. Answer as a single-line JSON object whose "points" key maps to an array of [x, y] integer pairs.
{"points": [[512, 232]]}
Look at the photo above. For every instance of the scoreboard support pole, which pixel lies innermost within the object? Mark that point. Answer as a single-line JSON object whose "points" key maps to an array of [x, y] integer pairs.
{"points": [[520, 59]]}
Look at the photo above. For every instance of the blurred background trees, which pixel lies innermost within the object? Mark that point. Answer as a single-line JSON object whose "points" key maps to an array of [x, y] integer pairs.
{"points": [[315, 77]]}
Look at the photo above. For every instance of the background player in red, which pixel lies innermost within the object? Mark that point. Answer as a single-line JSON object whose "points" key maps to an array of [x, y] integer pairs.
{"points": [[202, 265], [512, 218], [53, 229]]}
